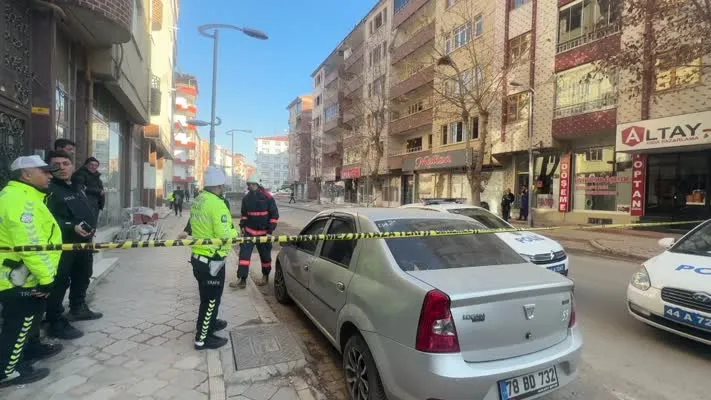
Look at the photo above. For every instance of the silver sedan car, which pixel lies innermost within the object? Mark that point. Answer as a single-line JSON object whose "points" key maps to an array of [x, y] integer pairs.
{"points": [[458, 317]]}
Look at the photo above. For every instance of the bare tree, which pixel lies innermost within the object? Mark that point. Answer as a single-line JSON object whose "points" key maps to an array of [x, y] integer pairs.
{"points": [[658, 35], [370, 125], [470, 80]]}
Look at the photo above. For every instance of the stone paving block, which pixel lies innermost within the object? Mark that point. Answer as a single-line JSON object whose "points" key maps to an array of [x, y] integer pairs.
{"points": [[125, 333], [189, 379], [105, 393], [173, 334], [156, 341], [147, 387], [141, 338], [285, 393], [120, 347], [188, 362], [64, 384], [260, 391], [157, 330]]}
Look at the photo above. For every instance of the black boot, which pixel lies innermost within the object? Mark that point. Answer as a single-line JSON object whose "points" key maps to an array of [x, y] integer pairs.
{"points": [[211, 342], [40, 351], [23, 376], [220, 324], [83, 313], [62, 329]]}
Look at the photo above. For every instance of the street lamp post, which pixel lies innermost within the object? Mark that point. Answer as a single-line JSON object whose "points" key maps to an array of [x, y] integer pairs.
{"points": [[215, 36], [232, 132], [531, 101]]}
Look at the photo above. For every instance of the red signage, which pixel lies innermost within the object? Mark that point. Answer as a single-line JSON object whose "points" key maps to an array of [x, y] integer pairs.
{"points": [[350, 173], [639, 178], [564, 196], [433, 161]]}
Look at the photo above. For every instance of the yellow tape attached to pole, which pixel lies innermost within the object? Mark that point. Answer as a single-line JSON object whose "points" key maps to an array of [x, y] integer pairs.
{"points": [[143, 244]]}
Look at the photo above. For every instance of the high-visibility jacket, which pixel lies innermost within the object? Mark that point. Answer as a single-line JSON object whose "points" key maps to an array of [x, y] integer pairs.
{"points": [[26, 220], [210, 218]]}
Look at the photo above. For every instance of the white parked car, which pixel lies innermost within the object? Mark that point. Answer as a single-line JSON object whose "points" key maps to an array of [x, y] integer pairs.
{"points": [[535, 248], [672, 291]]}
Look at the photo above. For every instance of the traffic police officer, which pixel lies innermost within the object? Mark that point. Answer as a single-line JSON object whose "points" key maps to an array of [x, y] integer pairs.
{"points": [[259, 218], [25, 277], [210, 218]]}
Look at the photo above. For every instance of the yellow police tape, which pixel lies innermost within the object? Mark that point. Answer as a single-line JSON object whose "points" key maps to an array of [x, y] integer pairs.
{"points": [[142, 244]]}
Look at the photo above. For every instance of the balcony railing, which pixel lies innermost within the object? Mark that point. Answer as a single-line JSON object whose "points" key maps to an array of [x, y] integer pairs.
{"points": [[405, 9], [607, 101], [412, 121], [181, 161], [597, 34], [356, 55], [156, 15], [330, 77], [333, 148], [417, 40], [412, 82]]}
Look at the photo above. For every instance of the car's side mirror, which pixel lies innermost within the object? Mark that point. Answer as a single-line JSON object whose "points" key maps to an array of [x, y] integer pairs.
{"points": [[666, 243]]}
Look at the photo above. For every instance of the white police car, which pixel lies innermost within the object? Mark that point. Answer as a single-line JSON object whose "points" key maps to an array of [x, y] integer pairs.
{"points": [[672, 291], [536, 248]]}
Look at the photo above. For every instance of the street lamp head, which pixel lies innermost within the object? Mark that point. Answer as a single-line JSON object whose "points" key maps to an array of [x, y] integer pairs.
{"points": [[445, 60], [197, 122], [255, 33], [516, 84]]}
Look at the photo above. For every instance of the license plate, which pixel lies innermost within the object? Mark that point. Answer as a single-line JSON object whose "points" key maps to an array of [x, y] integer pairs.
{"points": [[687, 317], [558, 268], [525, 386]]}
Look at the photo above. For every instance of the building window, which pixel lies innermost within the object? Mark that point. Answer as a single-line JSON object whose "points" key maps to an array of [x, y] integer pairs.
{"points": [[582, 90], [520, 49], [379, 20], [517, 107], [413, 145], [318, 100], [546, 171], [474, 128], [514, 4], [415, 107], [468, 79], [585, 21], [331, 112], [399, 4], [375, 56], [454, 132], [603, 180], [318, 80], [463, 34], [671, 75]]}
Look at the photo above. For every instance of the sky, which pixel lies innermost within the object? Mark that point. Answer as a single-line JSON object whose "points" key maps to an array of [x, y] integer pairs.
{"points": [[256, 79]]}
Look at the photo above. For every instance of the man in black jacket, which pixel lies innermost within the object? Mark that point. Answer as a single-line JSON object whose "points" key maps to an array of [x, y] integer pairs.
{"points": [[77, 219], [259, 218], [89, 177]]}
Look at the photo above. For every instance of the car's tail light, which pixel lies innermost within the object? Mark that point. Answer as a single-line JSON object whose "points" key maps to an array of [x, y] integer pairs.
{"points": [[436, 332], [572, 311]]}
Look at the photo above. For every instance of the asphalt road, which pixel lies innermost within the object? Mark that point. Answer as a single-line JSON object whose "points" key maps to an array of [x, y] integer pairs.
{"points": [[622, 358]]}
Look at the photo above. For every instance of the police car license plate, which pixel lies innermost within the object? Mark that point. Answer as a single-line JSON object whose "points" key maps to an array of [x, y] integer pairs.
{"points": [[557, 268], [525, 386], [686, 317]]}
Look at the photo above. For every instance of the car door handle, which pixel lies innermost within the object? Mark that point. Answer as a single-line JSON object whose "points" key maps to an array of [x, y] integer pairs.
{"points": [[305, 267], [340, 286]]}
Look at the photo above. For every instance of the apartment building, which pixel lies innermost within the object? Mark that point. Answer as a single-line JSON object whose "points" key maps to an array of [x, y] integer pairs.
{"points": [[186, 149], [272, 159], [239, 175], [300, 123]]}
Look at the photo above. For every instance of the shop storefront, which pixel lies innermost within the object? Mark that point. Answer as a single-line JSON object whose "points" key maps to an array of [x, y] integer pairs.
{"points": [[437, 175], [671, 170], [350, 177]]}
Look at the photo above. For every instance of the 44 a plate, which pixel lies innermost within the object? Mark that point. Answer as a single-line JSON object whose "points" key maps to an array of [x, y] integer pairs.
{"points": [[557, 268], [525, 386], [687, 317]]}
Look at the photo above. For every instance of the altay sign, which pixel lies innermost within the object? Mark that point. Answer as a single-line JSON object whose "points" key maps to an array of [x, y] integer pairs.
{"points": [[677, 131]]}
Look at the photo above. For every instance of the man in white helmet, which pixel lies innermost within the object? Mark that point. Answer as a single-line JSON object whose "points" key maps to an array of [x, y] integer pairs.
{"points": [[210, 218]]}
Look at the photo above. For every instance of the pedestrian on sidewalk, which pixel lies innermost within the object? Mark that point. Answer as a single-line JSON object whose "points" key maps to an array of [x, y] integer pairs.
{"points": [[210, 218], [89, 178], [292, 199], [26, 277], [77, 219], [171, 200], [506, 201], [178, 198], [523, 212], [259, 217]]}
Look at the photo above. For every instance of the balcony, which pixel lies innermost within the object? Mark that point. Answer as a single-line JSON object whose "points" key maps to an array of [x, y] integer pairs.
{"points": [[334, 125], [351, 88], [181, 161], [99, 22], [335, 148], [185, 145], [182, 179], [355, 57], [589, 37], [422, 77], [405, 124], [422, 37], [605, 102], [190, 109], [406, 10], [187, 89], [330, 77]]}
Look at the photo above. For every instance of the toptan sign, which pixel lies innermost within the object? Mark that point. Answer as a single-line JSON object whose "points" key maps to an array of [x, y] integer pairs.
{"points": [[677, 131]]}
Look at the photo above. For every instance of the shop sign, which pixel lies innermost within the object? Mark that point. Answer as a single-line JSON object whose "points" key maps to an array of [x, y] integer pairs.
{"points": [[639, 177], [350, 173], [604, 185], [681, 130], [450, 159], [564, 196]]}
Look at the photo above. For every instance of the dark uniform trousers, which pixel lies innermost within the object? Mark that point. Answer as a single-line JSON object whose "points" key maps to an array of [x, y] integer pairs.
{"points": [[245, 255], [211, 288], [73, 273], [21, 315]]}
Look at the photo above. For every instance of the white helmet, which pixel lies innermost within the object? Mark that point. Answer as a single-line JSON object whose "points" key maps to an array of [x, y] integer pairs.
{"points": [[214, 177]]}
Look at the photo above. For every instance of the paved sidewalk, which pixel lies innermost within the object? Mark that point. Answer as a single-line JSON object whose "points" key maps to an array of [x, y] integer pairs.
{"points": [[627, 243], [143, 347]]}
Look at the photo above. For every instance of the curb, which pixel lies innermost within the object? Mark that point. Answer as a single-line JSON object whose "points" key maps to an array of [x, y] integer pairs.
{"points": [[594, 243], [97, 279]]}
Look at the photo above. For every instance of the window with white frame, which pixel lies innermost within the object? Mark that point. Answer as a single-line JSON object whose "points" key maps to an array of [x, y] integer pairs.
{"points": [[514, 4], [454, 132], [464, 34], [584, 21], [583, 89], [520, 49], [517, 107]]}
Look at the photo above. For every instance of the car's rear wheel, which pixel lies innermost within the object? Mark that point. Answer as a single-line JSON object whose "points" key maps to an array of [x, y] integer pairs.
{"points": [[362, 377], [280, 291]]}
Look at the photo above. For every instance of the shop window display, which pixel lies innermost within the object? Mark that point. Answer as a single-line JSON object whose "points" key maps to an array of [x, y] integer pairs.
{"points": [[546, 171], [603, 180]]}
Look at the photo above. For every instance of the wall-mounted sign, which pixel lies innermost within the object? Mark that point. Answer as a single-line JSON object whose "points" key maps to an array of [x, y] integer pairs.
{"points": [[564, 196], [350, 173], [427, 161], [40, 110], [677, 131], [639, 177]]}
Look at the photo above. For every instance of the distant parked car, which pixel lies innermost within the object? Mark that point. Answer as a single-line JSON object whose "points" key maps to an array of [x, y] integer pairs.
{"points": [[535, 248], [459, 317], [672, 291]]}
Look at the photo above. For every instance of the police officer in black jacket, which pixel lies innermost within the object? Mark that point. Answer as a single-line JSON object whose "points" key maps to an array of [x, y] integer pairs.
{"points": [[77, 219]]}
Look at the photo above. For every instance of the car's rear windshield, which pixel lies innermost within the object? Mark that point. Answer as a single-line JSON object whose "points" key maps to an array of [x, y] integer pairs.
{"points": [[445, 252], [489, 220]]}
